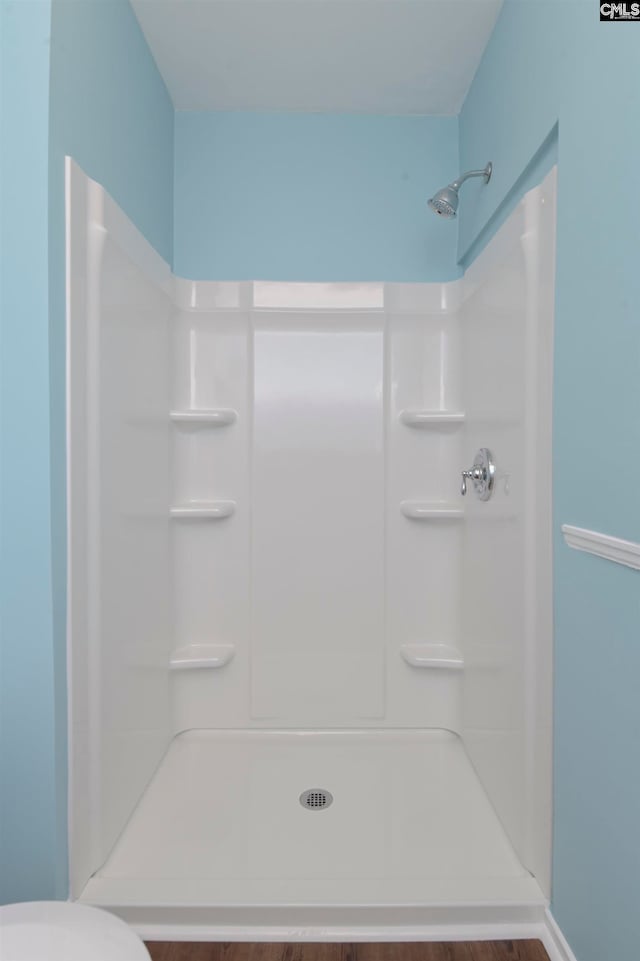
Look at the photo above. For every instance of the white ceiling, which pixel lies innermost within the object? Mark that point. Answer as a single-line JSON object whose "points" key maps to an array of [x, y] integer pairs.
{"points": [[371, 56]]}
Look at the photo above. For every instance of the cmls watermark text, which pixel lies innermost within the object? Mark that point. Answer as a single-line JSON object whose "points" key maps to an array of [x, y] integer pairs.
{"points": [[620, 11]]}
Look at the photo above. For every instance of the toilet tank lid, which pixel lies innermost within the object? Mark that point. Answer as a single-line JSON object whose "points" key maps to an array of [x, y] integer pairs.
{"points": [[61, 931]]}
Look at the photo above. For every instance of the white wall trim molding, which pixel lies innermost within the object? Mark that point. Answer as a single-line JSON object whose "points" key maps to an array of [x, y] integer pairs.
{"points": [[603, 545], [556, 945]]}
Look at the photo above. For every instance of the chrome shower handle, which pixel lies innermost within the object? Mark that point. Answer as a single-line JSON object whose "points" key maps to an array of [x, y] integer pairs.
{"points": [[482, 474], [475, 474]]}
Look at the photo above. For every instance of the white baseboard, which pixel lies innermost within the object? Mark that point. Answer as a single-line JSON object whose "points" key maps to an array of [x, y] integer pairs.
{"points": [[554, 940]]}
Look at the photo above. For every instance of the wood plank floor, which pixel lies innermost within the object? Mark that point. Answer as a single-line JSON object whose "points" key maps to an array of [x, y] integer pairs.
{"points": [[424, 951]]}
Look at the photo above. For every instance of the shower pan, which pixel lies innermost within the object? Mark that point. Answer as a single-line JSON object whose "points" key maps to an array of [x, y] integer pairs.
{"points": [[310, 682]]}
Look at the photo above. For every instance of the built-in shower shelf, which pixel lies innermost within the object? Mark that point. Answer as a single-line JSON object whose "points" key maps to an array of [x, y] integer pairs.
{"points": [[204, 417], [431, 511], [439, 656], [431, 418], [200, 656], [203, 510]]}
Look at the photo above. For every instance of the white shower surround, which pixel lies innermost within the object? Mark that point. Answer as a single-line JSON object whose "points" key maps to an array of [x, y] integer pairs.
{"points": [[182, 398]]}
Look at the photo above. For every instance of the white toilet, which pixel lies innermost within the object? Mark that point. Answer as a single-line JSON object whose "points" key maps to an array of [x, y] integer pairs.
{"points": [[59, 931]]}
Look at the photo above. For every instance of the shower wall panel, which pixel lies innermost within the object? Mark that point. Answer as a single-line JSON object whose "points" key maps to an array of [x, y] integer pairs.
{"points": [[423, 552], [212, 358], [119, 314], [318, 517], [317, 582], [506, 571]]}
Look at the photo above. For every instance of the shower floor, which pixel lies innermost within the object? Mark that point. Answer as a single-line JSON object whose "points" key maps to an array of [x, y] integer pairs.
{"points": [[221, 824]]}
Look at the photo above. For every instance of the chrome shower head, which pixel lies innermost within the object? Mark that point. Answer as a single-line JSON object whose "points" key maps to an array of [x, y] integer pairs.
{"points": [[445, 202]]}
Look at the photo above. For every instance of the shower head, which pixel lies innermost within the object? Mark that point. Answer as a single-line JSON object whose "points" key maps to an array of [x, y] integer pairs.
{"points": [[445, 202]]}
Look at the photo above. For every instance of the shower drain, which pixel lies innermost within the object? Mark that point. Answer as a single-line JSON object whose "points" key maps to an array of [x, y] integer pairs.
{"points": [[315, 799]]}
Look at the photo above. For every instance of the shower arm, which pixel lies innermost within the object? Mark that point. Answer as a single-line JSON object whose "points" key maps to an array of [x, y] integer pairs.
{"points": [[486, 173]]}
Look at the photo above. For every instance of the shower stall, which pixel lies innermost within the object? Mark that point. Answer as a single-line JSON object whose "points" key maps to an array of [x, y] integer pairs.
{"points": [[310, 682]]}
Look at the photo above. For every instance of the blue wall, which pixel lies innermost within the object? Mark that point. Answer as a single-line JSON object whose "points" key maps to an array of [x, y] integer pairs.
{"points": [[32, 800], [78, 78], [111, 112], [551, 62], [312, 197]]}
